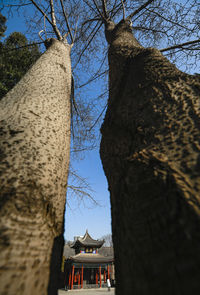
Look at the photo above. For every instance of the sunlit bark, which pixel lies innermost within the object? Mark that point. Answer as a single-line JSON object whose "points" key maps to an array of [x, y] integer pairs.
{"points": [[35, 145]]}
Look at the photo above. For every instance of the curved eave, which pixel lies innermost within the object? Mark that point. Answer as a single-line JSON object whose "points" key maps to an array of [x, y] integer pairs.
{"points": [[87, 241], [91, 258], [78, 244]]}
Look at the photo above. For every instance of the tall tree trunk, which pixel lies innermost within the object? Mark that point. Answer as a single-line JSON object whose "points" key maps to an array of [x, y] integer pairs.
{"points": [[150, 151], [35, 147]]}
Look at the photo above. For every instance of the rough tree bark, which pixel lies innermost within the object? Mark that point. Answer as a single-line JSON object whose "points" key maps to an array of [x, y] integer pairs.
{"points": [[150, 151], [34, 152]]}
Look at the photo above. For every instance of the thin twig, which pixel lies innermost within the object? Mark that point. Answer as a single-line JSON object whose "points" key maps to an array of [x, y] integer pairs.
{"points": [[67, 23], [139, 9], [21, 47], [102, 16], [90, 6], [97, 74], [93, 33], [91, 20], [180, 45], [74, 101], [75, 30], [40, 35], [42, 12], [79, 191], [45, 28], [93, 79], [98, 118], [168, 20], [18, 5], [55, 28], [115, 9]]}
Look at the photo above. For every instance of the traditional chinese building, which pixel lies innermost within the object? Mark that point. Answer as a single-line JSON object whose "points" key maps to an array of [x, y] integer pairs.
{"points": [[87, 268]]}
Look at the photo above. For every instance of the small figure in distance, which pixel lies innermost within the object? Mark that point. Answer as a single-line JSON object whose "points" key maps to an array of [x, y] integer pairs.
{"points": [[108, 284]]}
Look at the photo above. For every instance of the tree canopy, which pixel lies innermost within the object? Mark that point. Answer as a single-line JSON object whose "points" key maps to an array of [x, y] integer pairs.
{"points": [[164, 24], [2, 25], [15, 59], [169, 25]]}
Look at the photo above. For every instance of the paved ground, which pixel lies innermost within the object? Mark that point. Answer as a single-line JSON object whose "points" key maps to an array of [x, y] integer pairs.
{"points": [[102, 291]]}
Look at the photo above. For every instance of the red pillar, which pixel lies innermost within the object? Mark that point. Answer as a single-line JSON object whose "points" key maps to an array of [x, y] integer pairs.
{"points": [[69, 283], [104, 276], [79, 278], [96, 278], [72, 277], [100, 275], [108, 273], [82, 277]]}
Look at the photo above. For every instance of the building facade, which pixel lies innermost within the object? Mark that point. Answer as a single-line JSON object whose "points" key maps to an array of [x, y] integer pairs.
{"points": [[87, 268]]}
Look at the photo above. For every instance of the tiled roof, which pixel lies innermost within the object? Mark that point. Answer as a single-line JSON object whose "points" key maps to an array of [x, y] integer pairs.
{"points": [[91, 258], [105, 251], [87, 241]]}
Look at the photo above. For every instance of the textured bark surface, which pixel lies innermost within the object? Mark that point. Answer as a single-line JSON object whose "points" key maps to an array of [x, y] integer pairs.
{"points": [[34, 152], [150, 151]]}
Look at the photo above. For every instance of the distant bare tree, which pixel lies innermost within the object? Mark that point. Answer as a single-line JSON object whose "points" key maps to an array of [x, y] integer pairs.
{"points": [[107, 240]]}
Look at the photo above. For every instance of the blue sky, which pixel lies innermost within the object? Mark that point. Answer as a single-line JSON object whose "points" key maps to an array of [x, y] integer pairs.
{"points": [[87, 215], [81, 215]]}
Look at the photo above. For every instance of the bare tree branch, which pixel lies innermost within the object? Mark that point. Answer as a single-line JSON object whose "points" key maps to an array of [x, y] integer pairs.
{"points": [[139, 9], [17, 5], [82, 193], [91, 20], [98, 73], [80, 186], [45, 28], [94, 31], [39, 34], [89, 5], [181, 45], [67, 23], [98, 118], [76, 27], [38, 7], [25, 46], [115, 9], [123, 9], [168, 20], [93, 78], [55, 28], [104, 5], [102, 16], [53, 22]]}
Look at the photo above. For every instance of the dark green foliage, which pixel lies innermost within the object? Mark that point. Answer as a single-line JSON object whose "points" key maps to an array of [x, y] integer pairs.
{"points": [[2, 25], [15, 61]]}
